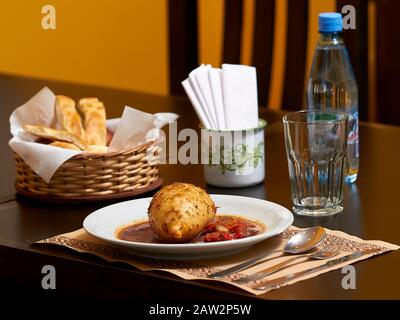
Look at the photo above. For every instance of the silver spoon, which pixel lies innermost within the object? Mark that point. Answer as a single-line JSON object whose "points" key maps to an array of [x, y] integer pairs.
{"points": [[299, 243]]}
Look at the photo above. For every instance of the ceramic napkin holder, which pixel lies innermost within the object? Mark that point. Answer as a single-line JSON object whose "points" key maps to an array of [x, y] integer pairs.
{"points": [[234, 158]]}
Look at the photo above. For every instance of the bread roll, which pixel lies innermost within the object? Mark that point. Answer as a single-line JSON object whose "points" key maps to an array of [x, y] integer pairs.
{"points": [[180, 211], [96, 149], [56, 135], [68, 117], [94, 120], [64, 145]]}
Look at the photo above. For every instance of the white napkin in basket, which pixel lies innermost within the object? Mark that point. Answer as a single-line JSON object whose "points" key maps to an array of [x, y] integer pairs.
{"points": [[126, 137]]}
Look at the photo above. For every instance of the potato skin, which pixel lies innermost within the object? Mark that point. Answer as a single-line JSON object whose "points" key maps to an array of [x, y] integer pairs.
{"points": [[180, 211]]}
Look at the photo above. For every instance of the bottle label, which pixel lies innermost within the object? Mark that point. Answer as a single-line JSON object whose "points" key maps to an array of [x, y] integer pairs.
{"points": [[353, 127]]}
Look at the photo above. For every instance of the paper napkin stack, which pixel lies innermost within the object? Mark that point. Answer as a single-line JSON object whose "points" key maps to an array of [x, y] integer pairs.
{"points": [[226, 98]]}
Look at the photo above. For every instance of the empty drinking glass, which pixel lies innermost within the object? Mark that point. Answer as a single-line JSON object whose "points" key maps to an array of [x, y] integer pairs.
{"points": [[316, 152]]}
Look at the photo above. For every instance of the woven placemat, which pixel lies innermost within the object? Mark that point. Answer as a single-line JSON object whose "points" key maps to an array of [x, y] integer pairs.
{"points": [[82, 242]]}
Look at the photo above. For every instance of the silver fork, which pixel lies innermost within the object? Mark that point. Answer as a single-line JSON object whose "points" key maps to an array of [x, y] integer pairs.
{"points": [[325, 253]]}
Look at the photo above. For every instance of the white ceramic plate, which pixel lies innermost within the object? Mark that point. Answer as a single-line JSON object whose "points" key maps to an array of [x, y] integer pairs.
{"points": [[104, 222]]}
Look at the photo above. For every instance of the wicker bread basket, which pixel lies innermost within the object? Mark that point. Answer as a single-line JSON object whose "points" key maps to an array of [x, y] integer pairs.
{"points": [[95, 176]]}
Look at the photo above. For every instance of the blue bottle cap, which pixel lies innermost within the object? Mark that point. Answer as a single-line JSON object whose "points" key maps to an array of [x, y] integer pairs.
{"points": [[330, 22]]}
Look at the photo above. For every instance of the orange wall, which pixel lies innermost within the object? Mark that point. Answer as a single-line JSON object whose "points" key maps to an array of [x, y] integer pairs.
{"points": [[211, 30], [124, 43], [117, 43]]}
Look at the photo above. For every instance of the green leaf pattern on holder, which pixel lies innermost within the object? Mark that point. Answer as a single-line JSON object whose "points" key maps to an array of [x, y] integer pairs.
{"points": [[239, 157]]}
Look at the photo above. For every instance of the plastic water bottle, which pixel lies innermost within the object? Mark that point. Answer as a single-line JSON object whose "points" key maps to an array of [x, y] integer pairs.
{"points": [[332, 85]]}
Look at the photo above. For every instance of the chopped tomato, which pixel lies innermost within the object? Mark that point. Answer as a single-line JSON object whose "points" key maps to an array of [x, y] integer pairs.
{"points": [[227, 228], [209, 228], [218, 236]]}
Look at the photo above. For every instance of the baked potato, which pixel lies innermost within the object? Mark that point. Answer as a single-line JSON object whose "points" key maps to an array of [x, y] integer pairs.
{"points": [[179, 212]]}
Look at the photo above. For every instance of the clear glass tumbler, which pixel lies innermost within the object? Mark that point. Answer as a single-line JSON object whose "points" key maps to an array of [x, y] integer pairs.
{"points": [[316, 151]]}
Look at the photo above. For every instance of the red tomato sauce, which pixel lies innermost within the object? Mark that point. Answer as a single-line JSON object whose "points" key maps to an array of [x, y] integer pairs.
{"points": [[222, 228]]}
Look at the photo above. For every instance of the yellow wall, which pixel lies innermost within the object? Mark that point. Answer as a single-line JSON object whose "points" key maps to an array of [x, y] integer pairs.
{"points": [[211, 30], [117, 43], [124, 43]]}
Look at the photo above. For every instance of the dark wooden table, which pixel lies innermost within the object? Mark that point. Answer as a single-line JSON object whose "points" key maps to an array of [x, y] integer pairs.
{"points": [[371, 212]]}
